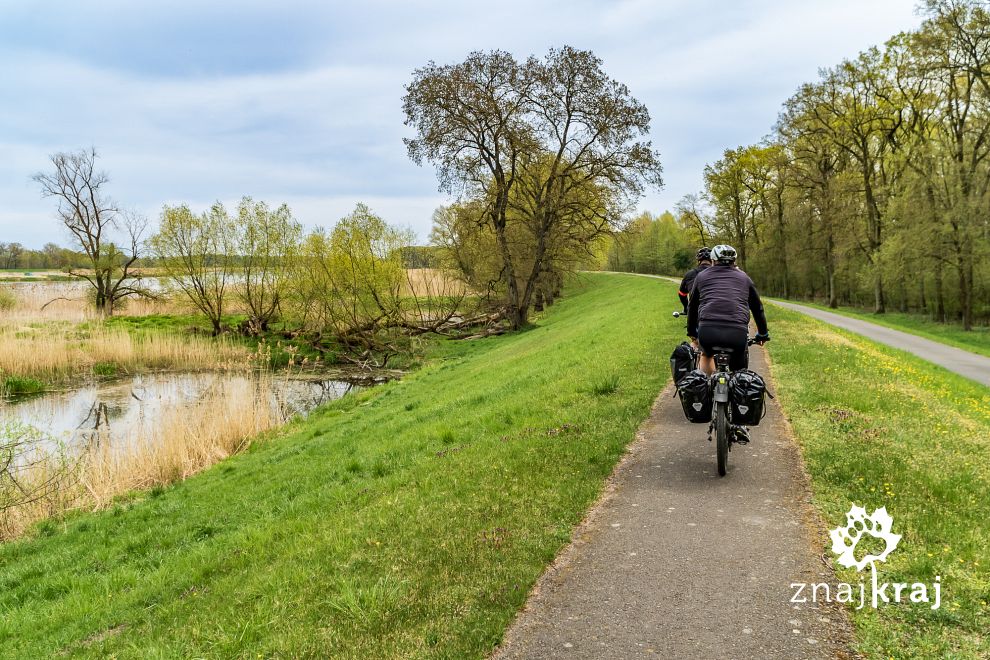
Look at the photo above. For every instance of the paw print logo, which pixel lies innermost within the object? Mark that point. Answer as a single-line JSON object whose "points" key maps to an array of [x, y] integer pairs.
{"points": [[877, 525]]}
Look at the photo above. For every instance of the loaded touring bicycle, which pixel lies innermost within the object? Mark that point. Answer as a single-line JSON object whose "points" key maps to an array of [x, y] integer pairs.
{"points": [[728, 401]]}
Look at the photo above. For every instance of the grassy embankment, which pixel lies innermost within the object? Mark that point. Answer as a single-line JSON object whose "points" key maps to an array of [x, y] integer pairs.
{"points": [[408, 520], [882, 428], [976, 340]]}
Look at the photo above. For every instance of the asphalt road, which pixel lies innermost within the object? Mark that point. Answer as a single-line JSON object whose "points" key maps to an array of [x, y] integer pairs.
{"points": [[964, 363], [676, 562]]}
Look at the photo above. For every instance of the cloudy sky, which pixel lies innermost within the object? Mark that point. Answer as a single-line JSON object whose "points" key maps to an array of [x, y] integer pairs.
{"points": [[300, 101]]}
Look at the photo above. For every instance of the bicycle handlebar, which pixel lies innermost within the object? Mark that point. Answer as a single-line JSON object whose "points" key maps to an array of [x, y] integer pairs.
{"points": [[749, 342]]}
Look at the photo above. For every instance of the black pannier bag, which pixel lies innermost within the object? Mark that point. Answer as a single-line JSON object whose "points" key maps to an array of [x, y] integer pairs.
{"points": [[747, 392], [695, 392], [682, 360]]}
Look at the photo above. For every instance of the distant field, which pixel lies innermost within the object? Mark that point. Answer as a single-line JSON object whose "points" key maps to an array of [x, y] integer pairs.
{"points": [[29, 275]]}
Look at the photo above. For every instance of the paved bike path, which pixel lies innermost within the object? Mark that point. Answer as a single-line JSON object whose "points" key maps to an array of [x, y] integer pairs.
{"points": [[676, 562], [965, 363]]}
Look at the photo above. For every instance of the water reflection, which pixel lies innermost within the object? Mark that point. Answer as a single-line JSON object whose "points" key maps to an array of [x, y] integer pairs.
{"points": [[134, 407]]}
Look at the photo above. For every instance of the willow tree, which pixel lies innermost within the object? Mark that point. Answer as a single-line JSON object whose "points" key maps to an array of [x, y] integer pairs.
{"points": [[350, 282], [500, 131], [198, 255], [267, 242]]}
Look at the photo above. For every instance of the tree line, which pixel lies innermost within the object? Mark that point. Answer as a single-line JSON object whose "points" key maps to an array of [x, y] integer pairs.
{"points": [[659, 245], [873, 188], [51, 256]]}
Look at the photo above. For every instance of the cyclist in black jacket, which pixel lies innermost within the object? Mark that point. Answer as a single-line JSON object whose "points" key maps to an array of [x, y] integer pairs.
{"points": [[719, 307], [704, 261]]}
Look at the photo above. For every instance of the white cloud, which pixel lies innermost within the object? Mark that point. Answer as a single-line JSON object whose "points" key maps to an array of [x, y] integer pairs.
{"points": [[325, 132]]}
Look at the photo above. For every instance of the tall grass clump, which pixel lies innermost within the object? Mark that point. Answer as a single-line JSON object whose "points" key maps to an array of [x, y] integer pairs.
{"points": [[7, 300], [18, 385]]}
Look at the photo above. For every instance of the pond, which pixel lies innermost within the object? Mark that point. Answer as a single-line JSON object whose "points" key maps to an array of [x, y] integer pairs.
{"points": [[143, 406]]}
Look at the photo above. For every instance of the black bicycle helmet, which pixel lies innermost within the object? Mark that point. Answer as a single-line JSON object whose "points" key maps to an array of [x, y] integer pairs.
{"points": [[704, 254]]}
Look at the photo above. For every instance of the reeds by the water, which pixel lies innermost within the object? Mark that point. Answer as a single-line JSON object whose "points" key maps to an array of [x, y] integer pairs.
{"points": [[30, 302], [54, 352], [56, 344], [46, 481]]}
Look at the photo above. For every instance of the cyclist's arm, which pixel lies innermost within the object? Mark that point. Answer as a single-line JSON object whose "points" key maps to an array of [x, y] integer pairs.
{"points": [[683, 291], [756, 306], [692, 320]]}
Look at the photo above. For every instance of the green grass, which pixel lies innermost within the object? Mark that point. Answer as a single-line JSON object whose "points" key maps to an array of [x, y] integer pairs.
{"points": [[167, 322], [880, 427], [106, 369], [409, 520], [20, 385], [976, 340]]}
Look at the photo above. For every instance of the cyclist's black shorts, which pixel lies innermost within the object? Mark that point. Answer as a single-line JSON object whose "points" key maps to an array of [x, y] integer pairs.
{"points": [[711, 336]]}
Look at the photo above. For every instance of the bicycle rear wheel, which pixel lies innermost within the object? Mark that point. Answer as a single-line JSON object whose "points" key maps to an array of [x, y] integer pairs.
{"points": [[722, 437]]}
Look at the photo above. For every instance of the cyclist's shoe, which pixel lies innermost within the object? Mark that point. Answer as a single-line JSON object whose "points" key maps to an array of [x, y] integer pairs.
{"points": [[740, 435]]}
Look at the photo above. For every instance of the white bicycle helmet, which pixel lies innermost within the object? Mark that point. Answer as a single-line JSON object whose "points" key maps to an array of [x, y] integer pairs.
{"points": [[724, 253]]}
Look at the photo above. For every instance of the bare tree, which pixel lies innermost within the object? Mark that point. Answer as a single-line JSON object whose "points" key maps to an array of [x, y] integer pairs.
{"points": [[92, 219]]}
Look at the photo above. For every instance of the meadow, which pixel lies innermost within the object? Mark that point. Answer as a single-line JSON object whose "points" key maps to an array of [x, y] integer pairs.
{"points": [[879, 427], [411, 519], [408, 520]]}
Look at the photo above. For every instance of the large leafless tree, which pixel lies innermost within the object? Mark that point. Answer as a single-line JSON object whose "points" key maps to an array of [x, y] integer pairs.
{"points": [[94, 220]]}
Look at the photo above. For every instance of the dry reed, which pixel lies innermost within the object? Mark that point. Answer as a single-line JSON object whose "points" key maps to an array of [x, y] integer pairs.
{"points": [[429, 282], [187, 440], [69, 301], [55, 351]]}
